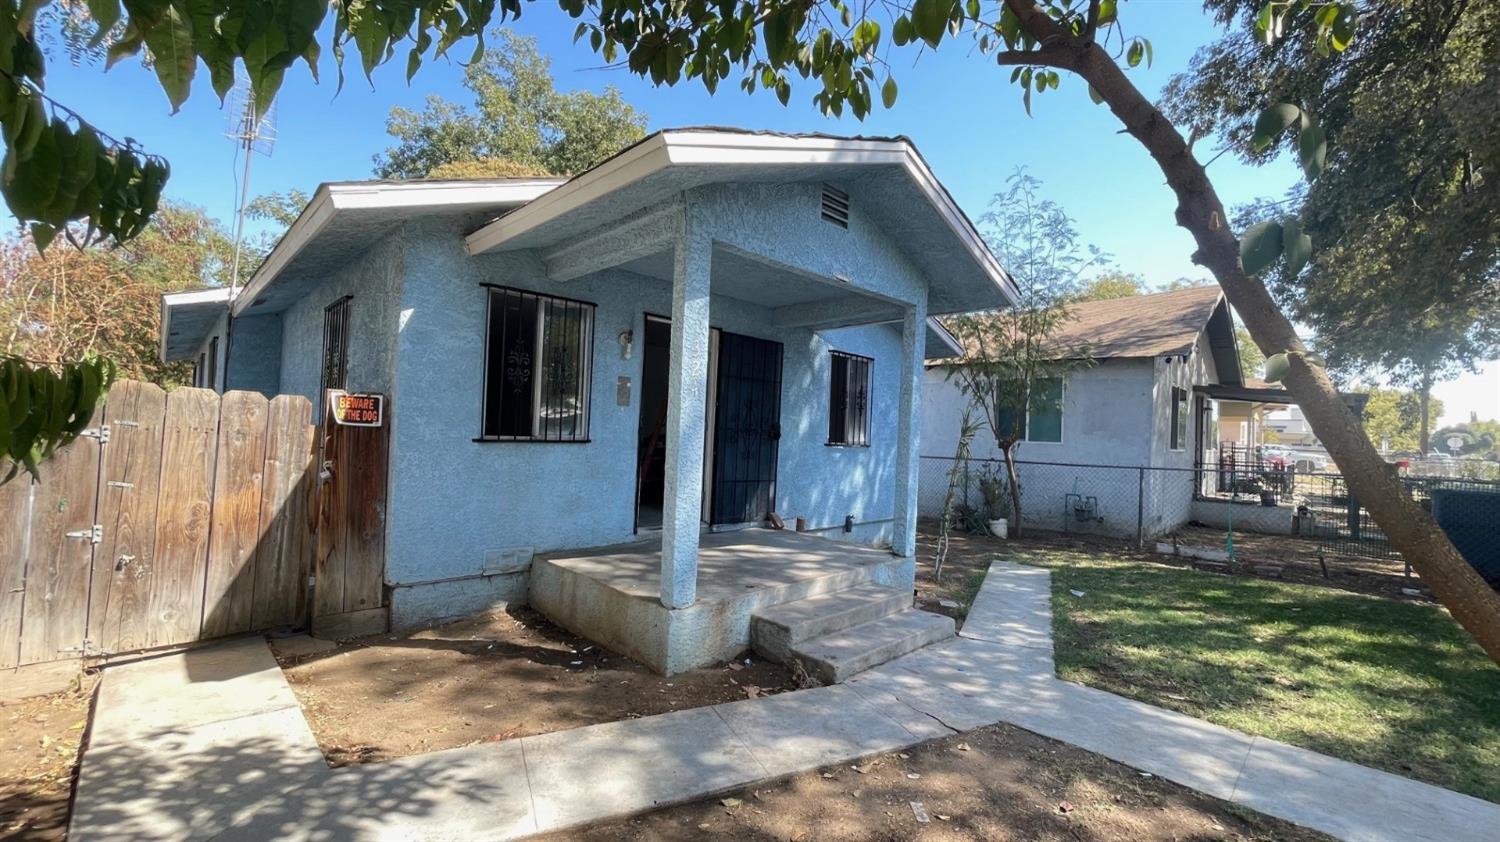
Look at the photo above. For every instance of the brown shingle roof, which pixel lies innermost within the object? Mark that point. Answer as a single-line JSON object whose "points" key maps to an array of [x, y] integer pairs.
{"points": [[1153, 325]]}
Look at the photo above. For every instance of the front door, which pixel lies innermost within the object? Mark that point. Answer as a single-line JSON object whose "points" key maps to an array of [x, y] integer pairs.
{"points": [[746, 430]]}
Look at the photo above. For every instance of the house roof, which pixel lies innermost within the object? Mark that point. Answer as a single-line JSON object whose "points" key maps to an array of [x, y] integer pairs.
{"points": [[886, 175], [187, 318], [1161, 324]]}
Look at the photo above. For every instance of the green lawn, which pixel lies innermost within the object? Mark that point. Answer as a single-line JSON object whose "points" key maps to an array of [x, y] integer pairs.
{"points": [[1389, 684]]}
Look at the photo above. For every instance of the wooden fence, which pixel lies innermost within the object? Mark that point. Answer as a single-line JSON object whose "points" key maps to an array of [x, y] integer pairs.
{"points": [[178, 517]]}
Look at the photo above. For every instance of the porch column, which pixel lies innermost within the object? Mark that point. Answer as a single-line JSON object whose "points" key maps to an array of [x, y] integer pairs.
{"points": [[687, 402], [908, 428]]}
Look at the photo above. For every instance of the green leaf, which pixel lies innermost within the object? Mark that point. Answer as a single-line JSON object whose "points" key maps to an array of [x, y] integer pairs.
{"points": [[1272, 122], [172, 53], [929, 19], [888, 92], [1134, 53], [1277, 367], [1296, 245], [1312, 149], [106, 13], [42, 234], [901, 31], [1260, 246], [1341, 34], [1094, 95]]}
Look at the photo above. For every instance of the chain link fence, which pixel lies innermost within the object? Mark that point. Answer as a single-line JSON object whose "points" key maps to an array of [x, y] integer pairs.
{"points": [[1140, 504]]}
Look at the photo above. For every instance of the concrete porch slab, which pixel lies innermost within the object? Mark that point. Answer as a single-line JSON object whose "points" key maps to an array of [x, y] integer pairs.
{"points": [[611, 595]]}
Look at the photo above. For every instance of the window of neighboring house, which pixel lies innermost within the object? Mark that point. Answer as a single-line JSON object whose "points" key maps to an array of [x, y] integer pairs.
{"points": [[213, 363], [849, 400], [335, 369], [1179, 418], [538, 367], [1044, 422]]}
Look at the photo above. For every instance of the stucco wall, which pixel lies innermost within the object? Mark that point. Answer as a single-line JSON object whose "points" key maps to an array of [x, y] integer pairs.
{"points": [[255, 359], [455, 501], [374, 282], [1170, 492], [220, 329], [1106, 422]]}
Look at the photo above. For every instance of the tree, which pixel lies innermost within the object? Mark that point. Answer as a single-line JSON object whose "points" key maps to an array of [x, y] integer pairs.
{"points": [[1404, 283], [1013, 363], [519, 120], [1112, 284], [281, 208], [68, 304], [487, 168], [843, 53], [1393, 418], [1474, 439]]}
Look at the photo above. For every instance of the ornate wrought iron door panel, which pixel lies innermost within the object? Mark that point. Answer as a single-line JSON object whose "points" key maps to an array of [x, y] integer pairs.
{"points": [[747, 429]]}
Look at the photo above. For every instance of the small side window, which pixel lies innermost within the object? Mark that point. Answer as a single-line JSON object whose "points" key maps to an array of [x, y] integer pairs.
{"points": [[849, 400], [1179, 418]]}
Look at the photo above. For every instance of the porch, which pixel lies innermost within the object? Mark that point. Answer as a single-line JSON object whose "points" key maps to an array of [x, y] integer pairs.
{"points": [[612, 594]]}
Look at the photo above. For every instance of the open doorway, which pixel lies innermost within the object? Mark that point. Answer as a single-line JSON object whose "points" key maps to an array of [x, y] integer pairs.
{"points": [[651, 441]]}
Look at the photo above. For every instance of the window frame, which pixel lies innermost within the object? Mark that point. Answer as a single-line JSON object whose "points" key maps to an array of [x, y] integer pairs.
{"points": [[213, 363], [336, 320], [1177, 435], [1026, 419], [862, 420], [586, 348]]}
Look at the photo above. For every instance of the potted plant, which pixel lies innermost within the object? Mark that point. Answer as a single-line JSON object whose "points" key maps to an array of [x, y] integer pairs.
{"points": [[992, 489]]}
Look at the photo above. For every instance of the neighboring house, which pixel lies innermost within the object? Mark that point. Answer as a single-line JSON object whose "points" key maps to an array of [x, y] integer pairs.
{"points": [[708, 328], [1291, 427], [1148, 399]]}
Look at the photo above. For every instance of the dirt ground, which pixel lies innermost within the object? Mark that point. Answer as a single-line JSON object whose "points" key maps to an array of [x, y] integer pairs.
{"points": [[494, 677], [38, 758], [994, 783], [1297, 559]]}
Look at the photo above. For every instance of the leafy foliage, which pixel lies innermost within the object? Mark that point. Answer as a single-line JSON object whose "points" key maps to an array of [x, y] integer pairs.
{"points": [[1110, 285], [1405, 281], [68, 304], [486, 168], [281, 208], [43, 408], [1009, 352], [519, 118], [1394, 417]]}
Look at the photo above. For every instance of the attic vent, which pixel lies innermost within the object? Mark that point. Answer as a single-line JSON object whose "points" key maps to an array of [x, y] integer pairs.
{"points": [[835, 206]]}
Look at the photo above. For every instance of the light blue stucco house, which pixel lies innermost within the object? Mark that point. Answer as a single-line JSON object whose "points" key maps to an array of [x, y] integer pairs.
{"points": [[708, 329]]}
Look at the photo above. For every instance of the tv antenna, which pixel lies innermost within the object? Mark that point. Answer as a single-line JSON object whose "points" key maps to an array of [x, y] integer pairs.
{"points": [[251, 135]]}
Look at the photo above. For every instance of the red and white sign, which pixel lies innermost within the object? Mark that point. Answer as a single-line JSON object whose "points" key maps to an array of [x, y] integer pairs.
{"points": [[356, 410]]}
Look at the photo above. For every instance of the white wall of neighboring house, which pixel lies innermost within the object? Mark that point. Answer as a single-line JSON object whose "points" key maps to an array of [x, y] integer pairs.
{"points": [[1117, 417]]}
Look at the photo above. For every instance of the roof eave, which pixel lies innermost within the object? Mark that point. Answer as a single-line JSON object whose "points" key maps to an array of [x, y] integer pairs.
{"points": [[690, 147]]}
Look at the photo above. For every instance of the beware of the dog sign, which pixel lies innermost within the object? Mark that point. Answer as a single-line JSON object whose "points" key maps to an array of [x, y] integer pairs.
{"points": [[357, 410]]}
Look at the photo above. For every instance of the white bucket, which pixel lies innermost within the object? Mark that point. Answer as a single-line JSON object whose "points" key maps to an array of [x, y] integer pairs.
{"points": [[998, 528]]}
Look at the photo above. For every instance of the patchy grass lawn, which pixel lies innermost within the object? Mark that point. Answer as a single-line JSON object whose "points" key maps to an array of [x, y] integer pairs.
{"points": [[1392, 684]]}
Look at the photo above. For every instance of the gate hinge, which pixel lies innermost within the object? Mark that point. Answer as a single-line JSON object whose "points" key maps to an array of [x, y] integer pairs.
{"points": [[93, 534], [100, 432]]}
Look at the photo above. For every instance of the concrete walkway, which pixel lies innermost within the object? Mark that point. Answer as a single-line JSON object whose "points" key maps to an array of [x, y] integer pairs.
{"points": [[212, 744]]}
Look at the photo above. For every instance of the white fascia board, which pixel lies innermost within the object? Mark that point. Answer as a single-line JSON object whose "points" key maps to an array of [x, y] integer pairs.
{"points": [[171, 300], [946, 335], [630, 166], [332, 199], [704, 148]]}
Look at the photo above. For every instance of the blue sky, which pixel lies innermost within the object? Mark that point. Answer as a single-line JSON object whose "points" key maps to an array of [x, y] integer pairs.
{"points": [[958, 109]]}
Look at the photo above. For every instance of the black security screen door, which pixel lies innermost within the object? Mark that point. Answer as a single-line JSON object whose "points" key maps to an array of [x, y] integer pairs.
{"points": [[747, 429]]}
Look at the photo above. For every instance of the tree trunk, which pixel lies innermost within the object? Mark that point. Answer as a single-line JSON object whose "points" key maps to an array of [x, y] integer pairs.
{"points": [[1424, 430], [1014, 481], [1411, 530]]}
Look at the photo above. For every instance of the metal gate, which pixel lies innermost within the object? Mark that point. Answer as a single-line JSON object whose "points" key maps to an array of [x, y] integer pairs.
{"points": [[747, 429]]}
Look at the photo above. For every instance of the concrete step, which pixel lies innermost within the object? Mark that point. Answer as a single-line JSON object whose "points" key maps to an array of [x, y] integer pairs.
{"points": [[775, 629], [836, 657]]}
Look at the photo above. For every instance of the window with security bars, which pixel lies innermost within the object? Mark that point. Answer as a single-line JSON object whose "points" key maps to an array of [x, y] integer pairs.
{"points": [[538, 364], [335, 346], [849, 400]]}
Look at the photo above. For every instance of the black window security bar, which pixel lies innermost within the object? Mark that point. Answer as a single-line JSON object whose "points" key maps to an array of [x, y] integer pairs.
{"points": [[849, 400], [538, 367], [335, 345]]}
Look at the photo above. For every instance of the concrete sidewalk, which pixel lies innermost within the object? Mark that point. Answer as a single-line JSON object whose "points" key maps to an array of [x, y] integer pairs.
{"points": [[212, 744]]}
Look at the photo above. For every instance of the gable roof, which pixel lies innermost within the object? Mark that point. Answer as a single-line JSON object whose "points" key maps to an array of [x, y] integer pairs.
{"points": [[903, 197], [1157, 325], [1161, 324]]}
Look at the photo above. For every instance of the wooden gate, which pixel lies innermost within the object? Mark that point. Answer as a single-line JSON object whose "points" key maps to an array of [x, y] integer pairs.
{"points": [[177, 517], [349, 574]]}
